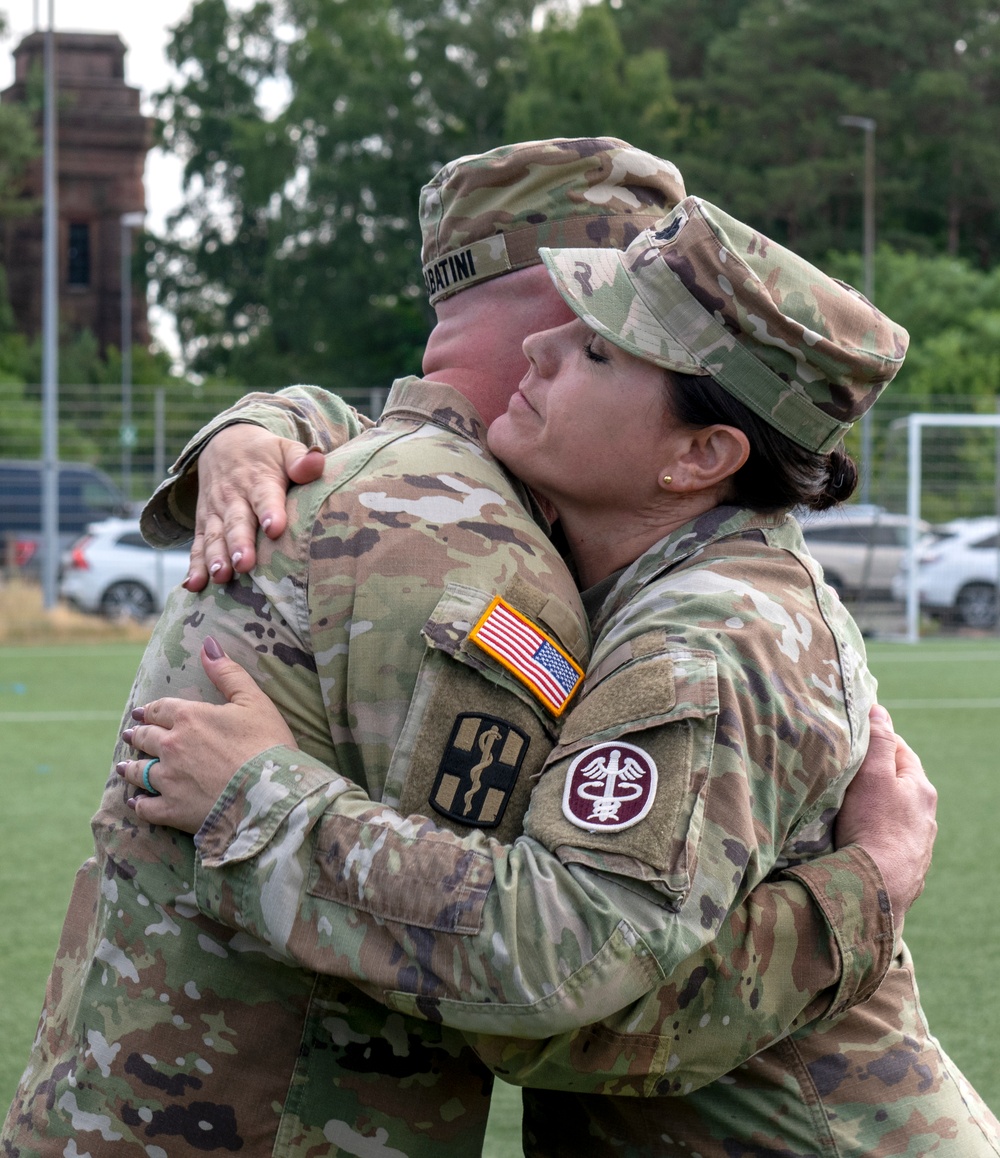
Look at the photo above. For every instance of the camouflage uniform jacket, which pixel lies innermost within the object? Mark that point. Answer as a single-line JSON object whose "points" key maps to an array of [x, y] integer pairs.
{"points": [[166, 1033], [851, 1084], [492, 938], [722, 663], [868, 1082]]}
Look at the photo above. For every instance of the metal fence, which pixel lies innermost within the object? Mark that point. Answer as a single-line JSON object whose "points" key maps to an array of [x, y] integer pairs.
{"points": [[136, 456], [107, 467], [868, 560], [939, 458]]}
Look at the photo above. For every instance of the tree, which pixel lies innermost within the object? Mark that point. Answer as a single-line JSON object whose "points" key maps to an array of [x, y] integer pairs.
{"points": [[933, 297], [304, 259], [682, 28], [18, 145], [297, 250], [580, 81], [763, 136]]}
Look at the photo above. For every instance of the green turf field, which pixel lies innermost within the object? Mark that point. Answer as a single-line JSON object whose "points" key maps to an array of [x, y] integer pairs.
{"points": [[59, 713]]}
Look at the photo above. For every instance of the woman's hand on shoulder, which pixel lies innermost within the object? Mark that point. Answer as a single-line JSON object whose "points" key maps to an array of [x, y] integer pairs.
{"points": [[188, 751], [243, 475]]}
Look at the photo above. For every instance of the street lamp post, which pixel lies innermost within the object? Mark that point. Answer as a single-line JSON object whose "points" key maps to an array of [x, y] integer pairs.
{"points": [[50, 327], [867, 126], [129, 221]]}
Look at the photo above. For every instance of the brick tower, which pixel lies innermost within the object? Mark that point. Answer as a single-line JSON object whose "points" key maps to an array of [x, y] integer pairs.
{"points": [[103, 139]]}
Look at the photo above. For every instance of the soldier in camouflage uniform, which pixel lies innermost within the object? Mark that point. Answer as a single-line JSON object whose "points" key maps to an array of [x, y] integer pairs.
{"points": [[167, 1033], [721, 662], [706, 295]]}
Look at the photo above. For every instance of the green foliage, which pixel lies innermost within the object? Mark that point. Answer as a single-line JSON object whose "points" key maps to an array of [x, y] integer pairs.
{"points": [[302, 255], [767, 80], [80, 362], [305, 260], [18, 146], [90, 402], [683, 28], [952, 312], [83, 432], [579, 81]]}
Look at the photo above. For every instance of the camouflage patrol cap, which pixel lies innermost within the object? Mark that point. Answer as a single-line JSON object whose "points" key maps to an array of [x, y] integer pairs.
{"points": [[702, 293], [486, 215]]}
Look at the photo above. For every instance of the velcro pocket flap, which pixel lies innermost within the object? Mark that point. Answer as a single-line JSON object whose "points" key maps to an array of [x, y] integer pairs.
{"points": [[461, 608], [624, 791], [641, 684]]}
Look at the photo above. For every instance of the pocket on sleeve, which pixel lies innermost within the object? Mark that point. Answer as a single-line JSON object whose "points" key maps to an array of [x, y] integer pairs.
{"points": [[476, 735], [625, 789]]}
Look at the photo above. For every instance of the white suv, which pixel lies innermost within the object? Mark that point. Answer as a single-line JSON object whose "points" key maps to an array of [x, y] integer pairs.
{"points": [[113, 570], [860, 547], [958, 572]]}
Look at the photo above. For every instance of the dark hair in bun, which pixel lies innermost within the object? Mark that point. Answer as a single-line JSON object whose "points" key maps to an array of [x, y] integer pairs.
{"points": [[779, 474]]}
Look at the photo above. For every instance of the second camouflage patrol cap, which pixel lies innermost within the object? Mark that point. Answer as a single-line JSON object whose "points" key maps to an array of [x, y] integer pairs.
{"points": [[702, 293], [488, 214]]}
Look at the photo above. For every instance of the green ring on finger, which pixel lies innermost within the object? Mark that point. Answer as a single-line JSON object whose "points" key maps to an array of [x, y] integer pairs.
{"points": [[145, 776]]}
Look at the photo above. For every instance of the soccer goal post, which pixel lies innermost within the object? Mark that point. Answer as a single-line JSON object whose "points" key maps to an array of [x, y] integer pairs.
{"points": [[916, 425]]}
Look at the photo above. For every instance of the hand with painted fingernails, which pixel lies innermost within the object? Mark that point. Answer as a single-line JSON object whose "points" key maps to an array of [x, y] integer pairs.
{"points": [[243, 475], [188, 751]]}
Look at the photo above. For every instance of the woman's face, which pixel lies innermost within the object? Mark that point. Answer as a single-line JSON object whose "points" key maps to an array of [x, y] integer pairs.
{"points": [[589, 423]]}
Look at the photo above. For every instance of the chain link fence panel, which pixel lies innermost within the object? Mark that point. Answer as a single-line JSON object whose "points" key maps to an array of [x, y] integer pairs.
{"points": [[107, 468], [956, 557], [864, 550]]}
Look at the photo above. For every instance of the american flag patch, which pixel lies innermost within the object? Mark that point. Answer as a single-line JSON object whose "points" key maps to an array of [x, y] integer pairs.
{"points": [[531, 655]]}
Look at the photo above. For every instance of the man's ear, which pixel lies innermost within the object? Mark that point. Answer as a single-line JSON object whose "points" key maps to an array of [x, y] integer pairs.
{"points": [[710, 456]]}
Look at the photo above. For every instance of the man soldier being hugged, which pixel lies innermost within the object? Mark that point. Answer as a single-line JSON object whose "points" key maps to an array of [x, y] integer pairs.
{"points": [[168, 1033]]}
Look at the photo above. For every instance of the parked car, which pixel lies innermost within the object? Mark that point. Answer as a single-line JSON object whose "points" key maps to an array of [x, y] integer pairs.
{"points": [[859, 547], [957, 572], [112, 570], [86, 494]]}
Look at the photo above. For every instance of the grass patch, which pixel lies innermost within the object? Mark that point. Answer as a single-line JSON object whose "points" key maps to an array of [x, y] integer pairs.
{"points": [[24, 620], [59, 714], [944, 697], [60, 710]]}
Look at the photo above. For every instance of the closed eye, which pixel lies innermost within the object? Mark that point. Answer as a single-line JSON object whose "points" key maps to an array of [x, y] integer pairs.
{"points": [[592, 353]]}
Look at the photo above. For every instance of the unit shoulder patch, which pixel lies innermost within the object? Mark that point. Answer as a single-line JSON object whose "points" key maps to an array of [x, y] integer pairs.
{"points": [[478, 770], [609, 787]]}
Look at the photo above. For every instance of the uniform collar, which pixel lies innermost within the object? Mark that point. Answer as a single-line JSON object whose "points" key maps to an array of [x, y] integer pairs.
{"points": [[677, 547], [424, 400], [429, 401]]}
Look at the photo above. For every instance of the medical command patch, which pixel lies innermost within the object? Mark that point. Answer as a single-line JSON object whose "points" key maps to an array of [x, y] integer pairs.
{"points": [[609, 787], [479, 769], [528, 653]]}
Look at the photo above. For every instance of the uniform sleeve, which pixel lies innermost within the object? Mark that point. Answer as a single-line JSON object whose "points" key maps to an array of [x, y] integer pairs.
{"points": [[347, 887], [507, 939], [801, 949], [307, 414]]}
